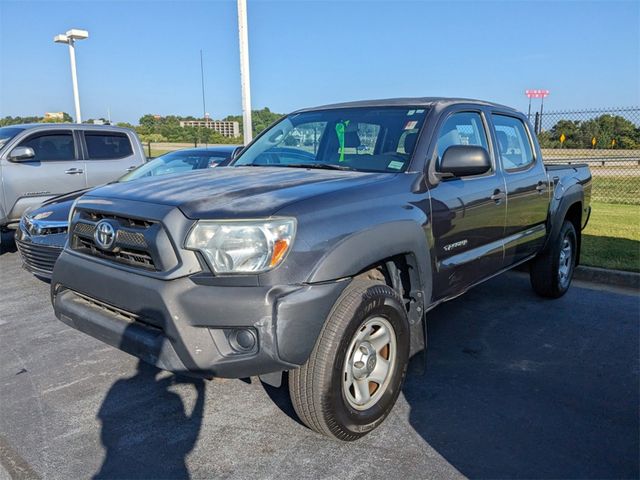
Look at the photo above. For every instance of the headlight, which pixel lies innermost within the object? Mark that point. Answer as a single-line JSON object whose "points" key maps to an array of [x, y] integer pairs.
{"points": [[243, 246]]}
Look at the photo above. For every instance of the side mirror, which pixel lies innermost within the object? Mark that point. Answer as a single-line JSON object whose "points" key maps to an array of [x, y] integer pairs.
{"points": [[464, 160], [22, 154]]}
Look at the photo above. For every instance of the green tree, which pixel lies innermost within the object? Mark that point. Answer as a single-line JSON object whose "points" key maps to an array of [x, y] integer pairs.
{"points": [[605, 128], [260, 119]]}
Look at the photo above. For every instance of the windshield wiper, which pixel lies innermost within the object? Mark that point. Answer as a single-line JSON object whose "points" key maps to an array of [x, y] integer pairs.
{"points": [[321, 166]]}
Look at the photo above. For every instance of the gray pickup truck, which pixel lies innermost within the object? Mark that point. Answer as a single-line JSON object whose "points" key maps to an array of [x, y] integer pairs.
{"points": [[321, 250], [40, 161]]}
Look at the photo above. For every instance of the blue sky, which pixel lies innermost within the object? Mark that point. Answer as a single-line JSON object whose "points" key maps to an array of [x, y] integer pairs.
{"points": [[143, 57]]}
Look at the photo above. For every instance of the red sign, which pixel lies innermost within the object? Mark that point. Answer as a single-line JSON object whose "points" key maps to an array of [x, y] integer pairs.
{"points": [[537, 93]]}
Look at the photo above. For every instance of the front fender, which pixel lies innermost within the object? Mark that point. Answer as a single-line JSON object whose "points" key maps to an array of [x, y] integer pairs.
{"points": [[364, 248]]}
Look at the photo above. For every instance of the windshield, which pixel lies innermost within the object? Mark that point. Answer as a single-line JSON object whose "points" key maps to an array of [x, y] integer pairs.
{"points": [[376, 139], [177, 162], [7, 133]]}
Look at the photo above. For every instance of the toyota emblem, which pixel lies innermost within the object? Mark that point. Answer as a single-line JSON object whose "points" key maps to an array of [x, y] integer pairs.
{"points": [[105, 235]]}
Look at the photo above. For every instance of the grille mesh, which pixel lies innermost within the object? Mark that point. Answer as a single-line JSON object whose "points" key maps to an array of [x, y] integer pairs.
{"points": [[130, 246]]}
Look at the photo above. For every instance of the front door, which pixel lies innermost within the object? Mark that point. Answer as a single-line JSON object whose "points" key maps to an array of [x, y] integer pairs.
{"points": [[468, 213], [54, 170]]}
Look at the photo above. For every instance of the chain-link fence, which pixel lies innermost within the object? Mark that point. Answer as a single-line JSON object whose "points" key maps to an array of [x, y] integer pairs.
{"points": [[608, 140]]}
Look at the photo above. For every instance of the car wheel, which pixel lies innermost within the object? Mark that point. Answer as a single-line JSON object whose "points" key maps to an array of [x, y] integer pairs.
{"points": [[552, 271], [353, 377]]}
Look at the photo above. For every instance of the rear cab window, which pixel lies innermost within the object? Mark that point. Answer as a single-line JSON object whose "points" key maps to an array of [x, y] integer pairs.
{"points": [[514, 144], [107, 145]]}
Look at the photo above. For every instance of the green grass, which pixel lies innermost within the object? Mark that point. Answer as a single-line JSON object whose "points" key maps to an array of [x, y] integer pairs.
{"points": [[612, 237], [616, 189], [155, 152]]}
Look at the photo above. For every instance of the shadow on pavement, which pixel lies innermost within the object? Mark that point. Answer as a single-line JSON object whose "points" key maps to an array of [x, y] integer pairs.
{"points": [[519, 387], [280, 397], [8, 244], [146, 429]]}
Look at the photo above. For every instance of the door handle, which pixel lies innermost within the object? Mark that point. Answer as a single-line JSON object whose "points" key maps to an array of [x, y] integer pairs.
{"points": [[131, 168], [541, 187], [498, 196], [74, 171]]}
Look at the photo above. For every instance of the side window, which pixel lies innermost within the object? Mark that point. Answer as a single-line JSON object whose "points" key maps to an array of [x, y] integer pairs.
{"points": [[105, 146], [52, 146], [514, 145], [464, 128]]}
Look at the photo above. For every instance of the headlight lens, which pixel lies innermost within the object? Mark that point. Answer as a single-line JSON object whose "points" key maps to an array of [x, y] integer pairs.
{"points": [[244, 246]]}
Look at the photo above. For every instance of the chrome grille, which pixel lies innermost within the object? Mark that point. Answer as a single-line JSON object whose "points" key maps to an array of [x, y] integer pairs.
{"points": [[39, 259], [131, 246]]}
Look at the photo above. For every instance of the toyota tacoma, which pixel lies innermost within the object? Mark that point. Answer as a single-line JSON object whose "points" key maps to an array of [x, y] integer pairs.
{"points": [[322, 248]]}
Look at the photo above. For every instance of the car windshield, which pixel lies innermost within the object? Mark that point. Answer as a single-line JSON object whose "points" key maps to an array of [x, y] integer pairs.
{"points": [[371, 139], [177, 162], [7, 133]]}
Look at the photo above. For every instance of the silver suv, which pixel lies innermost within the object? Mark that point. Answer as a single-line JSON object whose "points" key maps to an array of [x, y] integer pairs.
{"points": [[39, 161]]}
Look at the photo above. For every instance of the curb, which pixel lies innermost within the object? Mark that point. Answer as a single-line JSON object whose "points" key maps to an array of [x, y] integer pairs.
{"points": [[606, 276]]}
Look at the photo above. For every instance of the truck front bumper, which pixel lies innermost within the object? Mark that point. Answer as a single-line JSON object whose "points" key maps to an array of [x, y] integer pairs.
{"points": [[185, 326]]}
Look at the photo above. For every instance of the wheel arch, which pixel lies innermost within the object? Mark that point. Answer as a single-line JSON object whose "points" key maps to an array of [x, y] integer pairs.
{"points": [[566, 204], [396, 253]]}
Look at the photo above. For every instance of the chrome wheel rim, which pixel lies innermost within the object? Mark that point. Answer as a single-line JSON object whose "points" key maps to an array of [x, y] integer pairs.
{"points": [[369, 363], [566, 262]]}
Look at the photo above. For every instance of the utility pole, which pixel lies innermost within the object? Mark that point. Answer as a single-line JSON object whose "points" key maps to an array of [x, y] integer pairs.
{"points": [[204, 105], [245, 82]]}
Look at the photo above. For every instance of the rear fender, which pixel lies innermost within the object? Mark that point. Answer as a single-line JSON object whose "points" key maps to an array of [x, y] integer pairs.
{"points": [[566, 194]]}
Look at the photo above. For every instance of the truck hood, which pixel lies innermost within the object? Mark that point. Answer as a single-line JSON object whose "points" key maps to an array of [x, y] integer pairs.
{"points": [[235, 192]]}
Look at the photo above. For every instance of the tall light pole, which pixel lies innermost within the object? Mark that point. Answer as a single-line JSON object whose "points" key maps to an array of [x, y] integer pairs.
{"points": [[70, 39], [536, 94], [245, 82]]}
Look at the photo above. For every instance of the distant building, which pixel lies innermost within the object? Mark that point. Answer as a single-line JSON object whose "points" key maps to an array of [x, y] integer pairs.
{"points": [[54, 116], [228, 129]]}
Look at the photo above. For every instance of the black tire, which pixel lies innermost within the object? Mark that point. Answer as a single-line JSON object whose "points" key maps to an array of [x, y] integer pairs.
{"points": [[546, 277], [316, 387]]}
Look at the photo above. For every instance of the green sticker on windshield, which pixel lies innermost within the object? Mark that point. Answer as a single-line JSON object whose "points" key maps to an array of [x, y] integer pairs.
{"points": [[341, 127], [395, 165]]}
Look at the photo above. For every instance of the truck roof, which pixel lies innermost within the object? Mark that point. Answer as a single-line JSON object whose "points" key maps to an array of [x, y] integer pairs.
{"points": [[407, 102], [68, 126]]}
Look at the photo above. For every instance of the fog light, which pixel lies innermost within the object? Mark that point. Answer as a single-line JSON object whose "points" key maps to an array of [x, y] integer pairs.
{"points": [[242, 340]]}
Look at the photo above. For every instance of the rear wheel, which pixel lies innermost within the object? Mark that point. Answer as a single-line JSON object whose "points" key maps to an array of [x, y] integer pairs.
{"points": [[353, 377], [552, 271]]}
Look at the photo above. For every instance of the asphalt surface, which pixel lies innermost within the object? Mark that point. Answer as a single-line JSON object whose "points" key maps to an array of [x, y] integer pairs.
{"points": [[516, 387]]}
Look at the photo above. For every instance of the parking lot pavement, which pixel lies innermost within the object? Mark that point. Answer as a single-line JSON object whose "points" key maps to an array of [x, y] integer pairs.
{"points": [[515, 386]]}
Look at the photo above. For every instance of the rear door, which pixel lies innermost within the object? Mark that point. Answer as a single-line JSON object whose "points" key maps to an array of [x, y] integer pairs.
{"points": [[56, 169], [527, 187], [468, 213], [109, 155]]}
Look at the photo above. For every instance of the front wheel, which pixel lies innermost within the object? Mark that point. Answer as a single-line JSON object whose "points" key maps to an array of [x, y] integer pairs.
{"points": [[353, 377], [552, 271]]}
